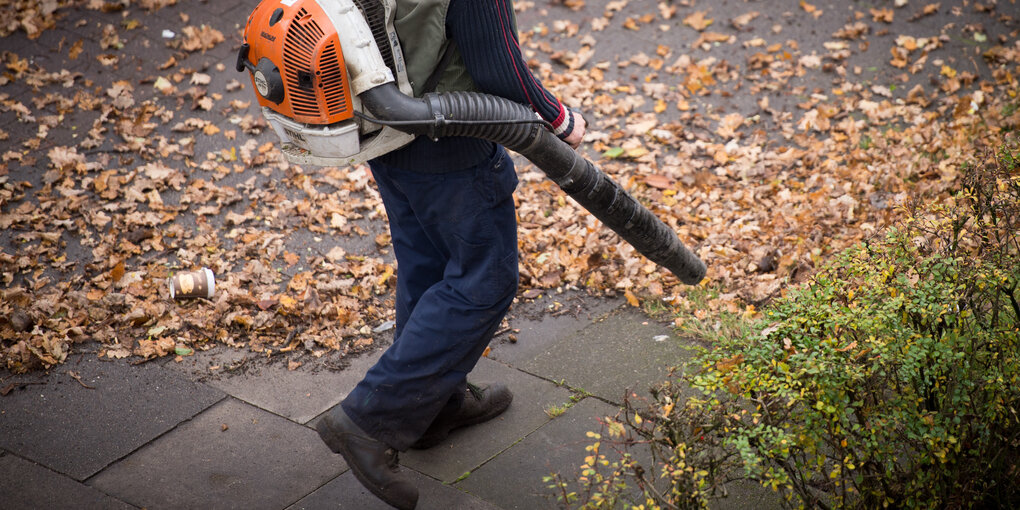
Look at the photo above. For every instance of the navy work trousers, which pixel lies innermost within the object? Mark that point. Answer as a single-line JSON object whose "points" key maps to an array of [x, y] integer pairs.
{"points": [[455, 239]]}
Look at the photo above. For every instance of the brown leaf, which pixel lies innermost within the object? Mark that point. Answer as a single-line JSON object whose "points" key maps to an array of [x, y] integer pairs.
{"points": [[848, 347], [117, 272], [728, 364], [810, 9], [75, 50], [884, 15], [713, 37], [740, 22], [300, 282], [659, 181], [698, 21]]}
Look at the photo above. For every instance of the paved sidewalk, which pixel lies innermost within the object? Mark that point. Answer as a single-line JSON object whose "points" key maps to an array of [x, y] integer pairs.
{"points": [[200, 433]]}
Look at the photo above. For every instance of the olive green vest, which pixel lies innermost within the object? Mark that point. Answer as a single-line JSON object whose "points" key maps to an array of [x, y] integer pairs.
{"points": [[421, 27]]}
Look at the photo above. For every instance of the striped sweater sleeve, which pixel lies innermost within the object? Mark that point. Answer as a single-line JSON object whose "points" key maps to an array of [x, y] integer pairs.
{"points": [[487, 40]]}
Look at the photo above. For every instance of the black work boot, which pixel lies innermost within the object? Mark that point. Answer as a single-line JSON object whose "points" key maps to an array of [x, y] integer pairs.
{"points": [[373, 462], [480, 404]]}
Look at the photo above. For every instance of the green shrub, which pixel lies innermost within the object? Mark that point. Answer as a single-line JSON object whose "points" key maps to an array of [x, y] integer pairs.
{"points": [[890, 379]]}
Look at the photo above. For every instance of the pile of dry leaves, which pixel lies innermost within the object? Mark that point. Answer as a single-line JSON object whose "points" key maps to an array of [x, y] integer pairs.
{"points": [[176, 171]]}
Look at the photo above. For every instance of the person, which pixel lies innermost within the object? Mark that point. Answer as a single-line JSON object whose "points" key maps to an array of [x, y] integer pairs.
{"points": [[453, 227]]}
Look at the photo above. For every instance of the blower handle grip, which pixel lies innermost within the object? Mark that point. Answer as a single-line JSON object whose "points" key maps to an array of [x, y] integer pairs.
{"points": [[242, 59]]}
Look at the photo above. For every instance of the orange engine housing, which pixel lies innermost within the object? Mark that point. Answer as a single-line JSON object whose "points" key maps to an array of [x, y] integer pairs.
{"points": [[300, 40]]}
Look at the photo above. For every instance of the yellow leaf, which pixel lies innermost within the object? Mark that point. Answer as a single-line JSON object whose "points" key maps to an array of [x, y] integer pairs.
{"points": [[385, 276], [668, 408], [637, 152], [631, 298]]}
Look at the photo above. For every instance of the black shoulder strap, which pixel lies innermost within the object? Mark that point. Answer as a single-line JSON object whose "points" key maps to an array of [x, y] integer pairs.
{"points": [[437, 74]]}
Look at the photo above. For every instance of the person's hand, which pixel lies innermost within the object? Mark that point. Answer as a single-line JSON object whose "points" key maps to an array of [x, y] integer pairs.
{"points": [[577, 134]]}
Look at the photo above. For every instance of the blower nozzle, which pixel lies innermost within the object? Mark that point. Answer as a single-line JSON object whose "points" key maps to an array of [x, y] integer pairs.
{"points": [[500, 120]]}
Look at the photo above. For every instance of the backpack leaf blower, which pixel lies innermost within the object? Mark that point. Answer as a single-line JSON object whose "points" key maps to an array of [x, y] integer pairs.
{"points": [[331, 81]]}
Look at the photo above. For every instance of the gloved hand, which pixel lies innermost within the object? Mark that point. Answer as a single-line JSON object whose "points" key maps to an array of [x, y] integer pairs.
{"points": [[577, 134]]}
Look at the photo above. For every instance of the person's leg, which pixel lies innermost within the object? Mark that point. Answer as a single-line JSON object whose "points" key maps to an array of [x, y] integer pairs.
{"points": [[469, 217], [420, 264]]}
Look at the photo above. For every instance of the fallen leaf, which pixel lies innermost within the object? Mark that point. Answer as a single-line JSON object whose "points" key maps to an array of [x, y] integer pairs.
{"points": [[728, 364], [741, 22], [698, 21], [117, 272], [884, 15]]}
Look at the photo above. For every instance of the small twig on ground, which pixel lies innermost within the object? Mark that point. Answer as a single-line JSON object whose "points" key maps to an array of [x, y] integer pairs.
{"points": [[74, 375], [575, 311], [237, 365], [143, 361], [11, 387], [293, 333]]}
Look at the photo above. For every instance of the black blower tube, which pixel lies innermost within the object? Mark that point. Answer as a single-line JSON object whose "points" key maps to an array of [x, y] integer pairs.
{"points": [[499, 120]]}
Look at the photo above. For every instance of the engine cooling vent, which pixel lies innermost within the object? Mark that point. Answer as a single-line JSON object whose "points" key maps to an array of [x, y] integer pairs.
{"points": [[332, 80], [303, 37], [375, 15]]}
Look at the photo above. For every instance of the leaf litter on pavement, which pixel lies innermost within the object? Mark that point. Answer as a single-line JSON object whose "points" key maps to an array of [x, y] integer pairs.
{"points": [[767, 148]]}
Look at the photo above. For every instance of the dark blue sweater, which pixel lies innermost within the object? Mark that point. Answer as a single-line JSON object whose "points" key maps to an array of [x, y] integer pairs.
{"points": [[487, 41]]}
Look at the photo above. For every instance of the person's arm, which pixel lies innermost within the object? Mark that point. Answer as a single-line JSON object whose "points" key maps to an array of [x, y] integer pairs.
{"points": [[485, 36]]}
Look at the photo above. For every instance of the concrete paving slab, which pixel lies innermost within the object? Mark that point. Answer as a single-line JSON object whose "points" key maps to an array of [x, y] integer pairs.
{"points": [[513, 480], [78, 431], [215, 362], [299, 395], [345, 492], [28, 486], [232, 456], [625, 351], [547, 319], [468, 448]]}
